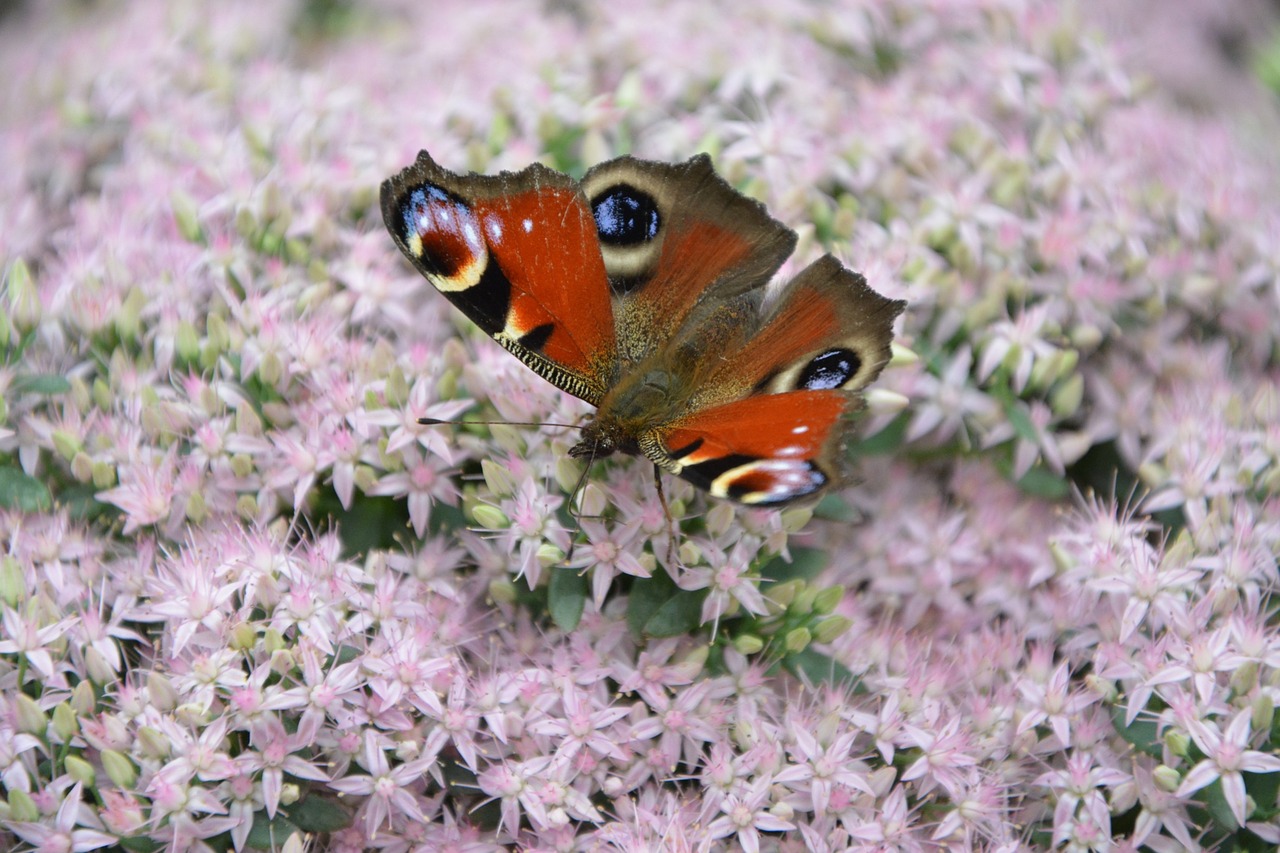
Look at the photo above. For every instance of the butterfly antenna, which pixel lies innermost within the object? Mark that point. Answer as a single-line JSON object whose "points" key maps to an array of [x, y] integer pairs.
{"points": [[439, 422]]}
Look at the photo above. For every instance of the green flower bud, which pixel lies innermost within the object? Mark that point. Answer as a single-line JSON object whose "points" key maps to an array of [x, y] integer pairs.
{"points": [[1179, 744], [503, 591], [196, 510], [490, 517], [22, 807], [82, 467], [30, 719], [247, 507], [152, 743], [128, 319], [186, 216], [67, 444], [65, 724], [748, 644], [83, 699], [830, 628], [161, 691], [13, 582], [120, 769], [1263, 712], [549, 555], [828, 599], [499, 479], [80, 770], [25, 309], [797, 640]]}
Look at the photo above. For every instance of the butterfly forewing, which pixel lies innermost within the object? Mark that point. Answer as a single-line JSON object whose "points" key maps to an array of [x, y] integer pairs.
{"points": [[519, 255]]}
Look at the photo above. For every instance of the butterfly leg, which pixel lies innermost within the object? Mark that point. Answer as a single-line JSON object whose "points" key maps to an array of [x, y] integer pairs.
{"points": [[666, 512]]}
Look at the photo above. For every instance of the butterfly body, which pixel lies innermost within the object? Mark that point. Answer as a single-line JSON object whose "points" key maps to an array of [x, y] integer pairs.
{"points": [[641, 290]]}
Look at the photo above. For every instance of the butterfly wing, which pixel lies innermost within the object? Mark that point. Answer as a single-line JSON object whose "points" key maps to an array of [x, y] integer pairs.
{"points": [[767, 422], [677, 240], [518, 254]]}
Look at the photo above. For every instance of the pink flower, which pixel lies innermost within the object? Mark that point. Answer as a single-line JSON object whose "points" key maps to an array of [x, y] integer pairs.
{"points": [[746, 815], [389, 790], [61, 835], [1227, 755]]}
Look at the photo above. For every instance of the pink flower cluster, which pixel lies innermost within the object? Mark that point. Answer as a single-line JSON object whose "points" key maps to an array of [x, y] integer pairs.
{"points": [[247, 599]]}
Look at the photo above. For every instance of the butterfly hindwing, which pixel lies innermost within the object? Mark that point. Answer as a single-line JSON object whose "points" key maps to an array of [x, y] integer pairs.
{"points": [[766, 423], [766, 451], [518, 253]]}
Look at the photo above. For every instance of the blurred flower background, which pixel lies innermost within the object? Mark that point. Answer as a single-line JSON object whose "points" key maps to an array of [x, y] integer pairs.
{"points": [[249, 603]]}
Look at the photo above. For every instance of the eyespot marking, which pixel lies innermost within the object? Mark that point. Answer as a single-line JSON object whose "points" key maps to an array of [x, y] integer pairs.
{"points": [[828, 370], [625, 216]]}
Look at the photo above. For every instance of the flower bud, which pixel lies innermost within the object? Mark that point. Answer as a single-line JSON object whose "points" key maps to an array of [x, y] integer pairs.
{"points": [[82, 467], [549, 555], [881, 401], [83, 700], [797, 640], [593, 501], [718, 518], [830, 628], [25, 310], [186, 216], [795, 518], [104, 474], [152, 743], [21, 807], [119, 768], [490, 517], [67, 444], [1178, 742], [827, 600], [98, 667], [503, 591], [28, 716], [128, 319], [1263, 712], [498, 478], [80, 770], [748, 644], [13, 582], [65, 724]]}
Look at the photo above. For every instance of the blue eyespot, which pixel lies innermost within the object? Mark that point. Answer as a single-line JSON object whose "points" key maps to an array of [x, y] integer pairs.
{"points": [[625, 216], [831, 369]]}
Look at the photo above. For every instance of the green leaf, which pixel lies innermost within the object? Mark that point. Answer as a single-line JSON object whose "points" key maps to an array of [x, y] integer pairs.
{"points": [[806, 564], [318, 814], [45, 384], [139, 844], [1043, 483], [885, 441], [680, 614], [832, 507], [646, 596], [81, 503], [22, 492], [566, 597], [1216, 802], [270, 834], [1143, 734], [1016, 411], [818, 668]]}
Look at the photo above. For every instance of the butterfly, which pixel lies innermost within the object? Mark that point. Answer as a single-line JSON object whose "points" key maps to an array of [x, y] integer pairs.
{"points": [[640, 289]]}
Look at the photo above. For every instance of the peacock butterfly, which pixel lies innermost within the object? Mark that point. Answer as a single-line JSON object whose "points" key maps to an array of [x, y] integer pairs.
{"points": [[640, 290]]}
